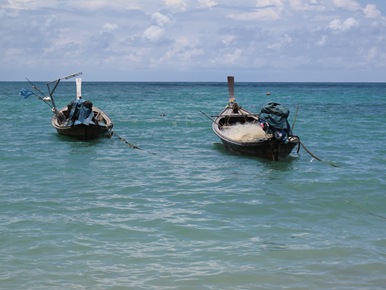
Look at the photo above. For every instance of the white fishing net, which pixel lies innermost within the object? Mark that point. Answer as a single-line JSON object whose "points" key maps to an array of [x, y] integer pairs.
{"points": [[244, 132]]}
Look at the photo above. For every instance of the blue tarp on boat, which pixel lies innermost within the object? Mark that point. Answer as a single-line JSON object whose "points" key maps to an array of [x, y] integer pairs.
{"points": [[80, 112], [275, 115]]}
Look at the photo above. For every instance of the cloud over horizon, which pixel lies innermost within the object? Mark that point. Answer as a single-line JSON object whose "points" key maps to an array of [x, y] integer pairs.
{"points": [[204, 40]]}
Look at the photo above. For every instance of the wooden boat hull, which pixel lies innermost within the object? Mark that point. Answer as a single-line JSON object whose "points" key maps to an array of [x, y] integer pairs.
{"points": [[262, 145], [102, 127], [267, 149]]}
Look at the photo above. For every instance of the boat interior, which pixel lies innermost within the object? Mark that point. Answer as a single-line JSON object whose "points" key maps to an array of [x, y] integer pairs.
{"points": [[238, 119], [98, 118]]}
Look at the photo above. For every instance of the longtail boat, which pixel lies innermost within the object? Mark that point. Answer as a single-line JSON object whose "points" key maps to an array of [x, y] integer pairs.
{"points": [[266, 135], [80, 119]]}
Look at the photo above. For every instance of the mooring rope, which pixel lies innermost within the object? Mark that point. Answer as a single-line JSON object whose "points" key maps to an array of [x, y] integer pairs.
{"points": [[365, 210], [124, 140], [130, 144], [314, 156]]}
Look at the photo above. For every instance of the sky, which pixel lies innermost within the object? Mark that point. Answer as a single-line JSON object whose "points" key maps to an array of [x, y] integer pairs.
{"points": [[194, 40]]}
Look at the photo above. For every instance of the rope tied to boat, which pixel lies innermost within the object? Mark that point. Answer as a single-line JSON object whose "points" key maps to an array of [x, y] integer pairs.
{"points": [[313, 155], [235, 108], [130, 144], [124, 140]]}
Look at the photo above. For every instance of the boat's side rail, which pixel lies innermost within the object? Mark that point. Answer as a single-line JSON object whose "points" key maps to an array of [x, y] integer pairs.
{"points": [[237, 119], [98, 116]]}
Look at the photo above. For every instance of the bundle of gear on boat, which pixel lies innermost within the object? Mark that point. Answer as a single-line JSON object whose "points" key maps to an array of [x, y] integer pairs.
{"points": [[79, 111], [274, 120]]}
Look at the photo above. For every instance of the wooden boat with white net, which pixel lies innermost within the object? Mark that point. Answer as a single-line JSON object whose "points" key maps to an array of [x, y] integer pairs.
{"points": [[246, 133]]}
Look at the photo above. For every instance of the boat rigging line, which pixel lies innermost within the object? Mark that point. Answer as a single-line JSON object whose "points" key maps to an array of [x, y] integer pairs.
{"points": [[56, 83], [209, 117], [45, 99]]}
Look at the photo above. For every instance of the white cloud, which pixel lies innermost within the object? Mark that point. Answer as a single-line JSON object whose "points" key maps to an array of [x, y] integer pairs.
{"points": [[74, 4], [227, 39], [207, 3], [267, 3], [264, 10], [160, 19], [286, 39], [22, 4], [373, 57], [347, 4], [193, 34], [337, 24], [153, 33], [183, 52], [304, 5], [176, 4], [109, 27], [262, 14], [228, 58], [276, 6], [49, 21], [322, 41], [371, 11], [370, 54]]}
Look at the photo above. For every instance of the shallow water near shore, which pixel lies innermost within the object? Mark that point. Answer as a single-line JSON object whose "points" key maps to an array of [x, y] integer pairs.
{"points": [[181, 212]]}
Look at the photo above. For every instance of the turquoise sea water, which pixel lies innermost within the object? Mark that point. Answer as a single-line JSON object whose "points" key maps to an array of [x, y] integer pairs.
{"points": [[182, 213]]}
